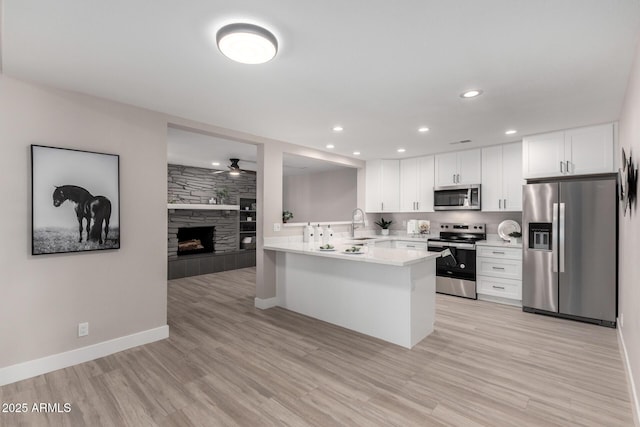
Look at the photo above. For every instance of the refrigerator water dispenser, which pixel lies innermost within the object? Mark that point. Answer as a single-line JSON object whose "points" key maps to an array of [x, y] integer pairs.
{"points": [[540, 236]]}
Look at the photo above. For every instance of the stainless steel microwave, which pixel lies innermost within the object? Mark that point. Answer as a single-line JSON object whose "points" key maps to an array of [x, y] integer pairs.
{"points": [[456, 197]]}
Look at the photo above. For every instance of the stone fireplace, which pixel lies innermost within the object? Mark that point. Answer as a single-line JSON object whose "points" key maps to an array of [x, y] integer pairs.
{"points": [[219, 249]]}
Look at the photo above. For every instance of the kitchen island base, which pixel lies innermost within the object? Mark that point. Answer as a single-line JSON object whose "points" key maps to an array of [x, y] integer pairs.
{"points": [[389, 302]]}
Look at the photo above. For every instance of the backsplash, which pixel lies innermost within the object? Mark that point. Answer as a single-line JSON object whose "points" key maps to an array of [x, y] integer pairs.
{"points": [[491, 219]]}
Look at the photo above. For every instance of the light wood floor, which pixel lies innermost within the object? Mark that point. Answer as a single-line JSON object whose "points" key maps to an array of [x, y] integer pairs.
{"points": [[228, 363]]}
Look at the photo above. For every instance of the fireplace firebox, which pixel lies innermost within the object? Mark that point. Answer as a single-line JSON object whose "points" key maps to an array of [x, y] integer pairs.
{"points": [[196, 240]]}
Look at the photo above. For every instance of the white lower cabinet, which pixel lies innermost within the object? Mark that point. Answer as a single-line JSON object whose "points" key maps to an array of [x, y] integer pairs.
{"points": [[499, 274], [503, 288]]}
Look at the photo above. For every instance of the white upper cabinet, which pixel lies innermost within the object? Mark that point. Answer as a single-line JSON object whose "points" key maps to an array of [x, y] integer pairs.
{"points": [[589, 150], [416, 184], [582, 151], [461, 167], [502, 178], [382, 186]]}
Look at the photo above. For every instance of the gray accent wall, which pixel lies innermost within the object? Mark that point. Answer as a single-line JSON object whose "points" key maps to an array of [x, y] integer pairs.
{"points": [[324, 196]]}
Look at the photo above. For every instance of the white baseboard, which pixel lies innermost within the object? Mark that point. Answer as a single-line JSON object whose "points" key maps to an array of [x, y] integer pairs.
{"points": [[635, 405], [265, 303], [33, 368]]}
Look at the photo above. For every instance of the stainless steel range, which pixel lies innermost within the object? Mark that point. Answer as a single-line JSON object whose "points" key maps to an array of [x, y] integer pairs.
{"points": [[456, 275]]}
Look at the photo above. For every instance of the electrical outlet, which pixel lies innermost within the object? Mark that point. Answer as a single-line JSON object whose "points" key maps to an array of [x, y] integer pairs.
{"points": [[83, 329], [276, 226]]}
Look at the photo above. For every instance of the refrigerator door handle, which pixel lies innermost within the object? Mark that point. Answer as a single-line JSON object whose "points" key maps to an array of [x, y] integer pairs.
{"points": [[554, 238], [561, 236]]}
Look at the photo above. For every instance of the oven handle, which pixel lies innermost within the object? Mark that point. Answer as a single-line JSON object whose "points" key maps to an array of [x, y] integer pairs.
{"points": [[451, 245]]}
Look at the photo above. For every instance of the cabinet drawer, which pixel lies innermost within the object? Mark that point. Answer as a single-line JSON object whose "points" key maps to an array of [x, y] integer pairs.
{"points": [[507, 269], [504, 288], [411, 245], [498, 252]]}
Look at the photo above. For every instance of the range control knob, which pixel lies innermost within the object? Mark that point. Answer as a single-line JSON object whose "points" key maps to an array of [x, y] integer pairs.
{"points": [[462, 266]]}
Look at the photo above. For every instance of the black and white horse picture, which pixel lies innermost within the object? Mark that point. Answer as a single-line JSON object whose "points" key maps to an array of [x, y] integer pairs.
{"points": [[75, 200], [95, 210]]}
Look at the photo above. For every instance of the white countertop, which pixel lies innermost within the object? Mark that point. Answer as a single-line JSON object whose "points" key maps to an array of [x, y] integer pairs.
{"points": [[372, 254]]}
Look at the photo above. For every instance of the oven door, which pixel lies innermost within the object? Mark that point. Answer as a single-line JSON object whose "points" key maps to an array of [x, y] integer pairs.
{"points": [[458, 277]]}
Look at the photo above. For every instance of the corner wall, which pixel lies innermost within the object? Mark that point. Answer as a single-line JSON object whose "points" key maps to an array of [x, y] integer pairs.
{"points": [[119, 292], [629, 250]]}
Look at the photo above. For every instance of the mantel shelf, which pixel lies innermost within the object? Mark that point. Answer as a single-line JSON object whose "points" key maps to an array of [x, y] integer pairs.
{"points": [[197, 206]]}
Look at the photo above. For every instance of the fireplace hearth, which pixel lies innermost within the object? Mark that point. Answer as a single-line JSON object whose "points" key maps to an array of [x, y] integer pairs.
{"points": [[196, 240]]}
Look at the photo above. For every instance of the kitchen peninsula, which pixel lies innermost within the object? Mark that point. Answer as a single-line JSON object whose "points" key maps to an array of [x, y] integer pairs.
{"points": [[387, 293]]}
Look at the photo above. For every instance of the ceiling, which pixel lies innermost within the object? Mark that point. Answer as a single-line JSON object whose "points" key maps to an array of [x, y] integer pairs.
{"points": [[379, 68], [199, 150]]}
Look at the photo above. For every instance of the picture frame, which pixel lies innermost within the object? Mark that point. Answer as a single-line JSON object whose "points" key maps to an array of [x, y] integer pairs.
{"points": [[75, 200]]}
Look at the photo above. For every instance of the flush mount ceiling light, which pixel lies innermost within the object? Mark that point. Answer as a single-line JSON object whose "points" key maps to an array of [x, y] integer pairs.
{"points": [[423, 129], [356, 153], [338, 128], [511, 132], [247, 43], [471, 93], [330, 146], [215, 163]]}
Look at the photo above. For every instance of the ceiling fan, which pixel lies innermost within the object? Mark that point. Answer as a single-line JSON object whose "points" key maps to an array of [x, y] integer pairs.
{"points": [[234, 168]]}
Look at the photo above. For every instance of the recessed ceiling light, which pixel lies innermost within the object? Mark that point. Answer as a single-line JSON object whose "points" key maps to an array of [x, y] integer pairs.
{"points": [[471, 93], [511, 132], [423, 129], [331, 146], [338, 128], [215, 163], [401, 150], [356, 153], [247, 43]]}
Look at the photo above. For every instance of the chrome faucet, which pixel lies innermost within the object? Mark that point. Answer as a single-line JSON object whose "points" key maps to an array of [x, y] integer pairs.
{"points": [[353, 220]]}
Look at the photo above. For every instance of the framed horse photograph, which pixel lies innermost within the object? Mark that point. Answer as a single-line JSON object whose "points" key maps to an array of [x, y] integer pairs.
{"points": [[75, 200]]}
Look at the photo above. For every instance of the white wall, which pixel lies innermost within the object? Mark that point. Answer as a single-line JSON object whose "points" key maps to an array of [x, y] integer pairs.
{"points": [[323, 196], [119, 292], [629, 247]]}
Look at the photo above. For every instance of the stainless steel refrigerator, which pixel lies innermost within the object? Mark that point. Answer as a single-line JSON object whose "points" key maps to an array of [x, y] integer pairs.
{"points": [[570, 249]]}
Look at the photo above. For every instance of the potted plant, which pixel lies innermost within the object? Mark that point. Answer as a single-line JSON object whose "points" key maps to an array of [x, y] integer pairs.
{"points": [[516, 237], [223, 195], [286, 216], [384, 225]]}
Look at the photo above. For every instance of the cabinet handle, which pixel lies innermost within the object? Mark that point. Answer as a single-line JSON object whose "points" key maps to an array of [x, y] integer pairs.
{"points": [[497, 287], [498, 268], [561, 167], [504, 204], [458, 178], [381, 206], [410, 246], [567, 167], [454, 178], [498, 253], [499, 204]]}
